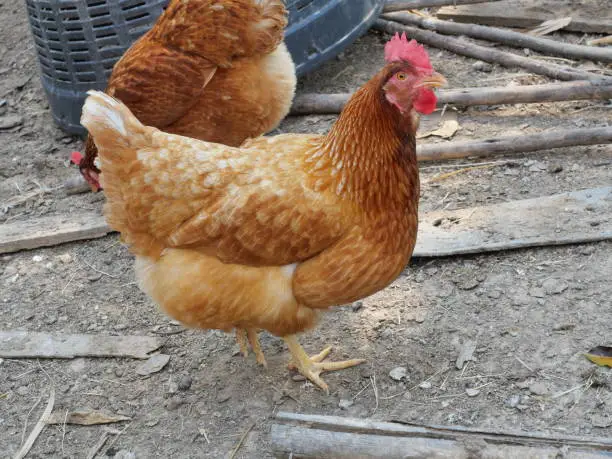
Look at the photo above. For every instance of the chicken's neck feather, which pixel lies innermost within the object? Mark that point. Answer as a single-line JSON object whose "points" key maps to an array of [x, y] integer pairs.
{"points": [[369, 155]]}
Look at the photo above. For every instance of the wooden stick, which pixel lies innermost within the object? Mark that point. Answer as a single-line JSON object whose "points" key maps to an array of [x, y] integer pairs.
{"points": [[600, 41], [417, 4], [486, 54], [508, 37], [303, 435], [516, 144], [307, 104]]}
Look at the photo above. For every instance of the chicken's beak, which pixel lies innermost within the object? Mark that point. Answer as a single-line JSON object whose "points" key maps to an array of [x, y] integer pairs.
{"points": [[435, 80]]}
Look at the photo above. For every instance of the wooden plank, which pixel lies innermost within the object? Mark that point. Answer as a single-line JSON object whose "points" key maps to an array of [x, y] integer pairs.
{"points": [[50, 231], [512, 225], [26, 344], [564, 218], [593, 16], [310, 436]]}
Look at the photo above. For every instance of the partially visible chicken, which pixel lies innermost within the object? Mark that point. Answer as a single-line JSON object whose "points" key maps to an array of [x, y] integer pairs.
{"points": [[268, 235], [215, 70]]}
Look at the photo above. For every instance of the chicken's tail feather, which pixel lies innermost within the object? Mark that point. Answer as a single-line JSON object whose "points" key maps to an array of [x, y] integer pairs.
{"points": [[115, 130]]}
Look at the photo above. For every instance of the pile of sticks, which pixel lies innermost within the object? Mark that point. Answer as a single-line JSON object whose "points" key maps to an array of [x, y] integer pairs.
{"points": [[577, 85]]}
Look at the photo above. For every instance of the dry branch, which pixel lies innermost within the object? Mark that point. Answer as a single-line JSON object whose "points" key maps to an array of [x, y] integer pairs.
{"points": [[486, 54], [516, 144], [507, 37], [417, 4], [308, 104], [301, 435]]}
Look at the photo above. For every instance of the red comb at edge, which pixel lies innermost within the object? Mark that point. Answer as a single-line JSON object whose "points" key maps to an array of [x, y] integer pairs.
{"points": [[76, 157], [400, 49]]}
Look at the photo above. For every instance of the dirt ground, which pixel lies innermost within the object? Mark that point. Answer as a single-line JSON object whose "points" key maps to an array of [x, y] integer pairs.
{"points": [[532, 313]]}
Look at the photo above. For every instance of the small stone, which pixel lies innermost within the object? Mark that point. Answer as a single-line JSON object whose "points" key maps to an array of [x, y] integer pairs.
{"points": [[225, 395], [471, 392], [298, 378], [119, 372], [587, 250], [345, 404], [555, 168], [521, 299], [482, 67], [425, 385], [65, 258], [495, 294], [594, 223], [185, 382], [154, 364], [94, 277], [78, 365], [437, 222], [124, 454], [22, 390], [468, 284], [526, 51], [398, 373], [538, 388], [600, 377], [513, 401], [172, 387], [50, 320], [366, 372], [37, 258], [10, 121], [173, 403], [554, 286], [601, 421], [537, 292], [357, 305]]}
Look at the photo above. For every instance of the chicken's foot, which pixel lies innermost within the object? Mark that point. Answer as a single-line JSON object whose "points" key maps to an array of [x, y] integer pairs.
{"points": [[250, 334], [312, 367]]}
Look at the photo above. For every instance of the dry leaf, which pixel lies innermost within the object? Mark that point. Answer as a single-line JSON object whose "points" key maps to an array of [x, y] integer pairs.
{"points": [[85, 418], [600, 355], [550, 26], [446, 131]]}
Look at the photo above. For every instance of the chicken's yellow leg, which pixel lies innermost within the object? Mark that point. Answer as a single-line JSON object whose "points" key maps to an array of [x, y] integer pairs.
{"points": [[251, 334], [312, 367]]}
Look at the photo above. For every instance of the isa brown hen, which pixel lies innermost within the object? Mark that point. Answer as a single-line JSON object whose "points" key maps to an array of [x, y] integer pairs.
{"points": [[268, 235], [215, 70]]}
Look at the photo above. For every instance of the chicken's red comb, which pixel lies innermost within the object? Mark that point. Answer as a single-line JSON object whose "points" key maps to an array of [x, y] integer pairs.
{"points": [[76, 157], [400, 49]]}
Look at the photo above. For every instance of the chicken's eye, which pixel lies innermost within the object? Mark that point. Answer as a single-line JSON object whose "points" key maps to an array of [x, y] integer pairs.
{"points": [[402, 76]]}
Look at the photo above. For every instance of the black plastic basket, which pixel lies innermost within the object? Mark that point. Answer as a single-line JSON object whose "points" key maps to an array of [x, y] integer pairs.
{"points": [[79, 41]]}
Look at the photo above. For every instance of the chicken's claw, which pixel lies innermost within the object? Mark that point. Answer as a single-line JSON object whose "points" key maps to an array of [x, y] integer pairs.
{"points": [[250, 334], [312, 367]]}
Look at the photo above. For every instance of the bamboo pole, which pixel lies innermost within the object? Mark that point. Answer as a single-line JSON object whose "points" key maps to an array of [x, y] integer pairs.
{"points": [[515, 144], [417, 4], [307, 104], [486, 54], [507, 37]]}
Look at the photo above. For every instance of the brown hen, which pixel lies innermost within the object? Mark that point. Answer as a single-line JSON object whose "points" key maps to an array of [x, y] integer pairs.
{"points": [[215, 70], [268, 235]]}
